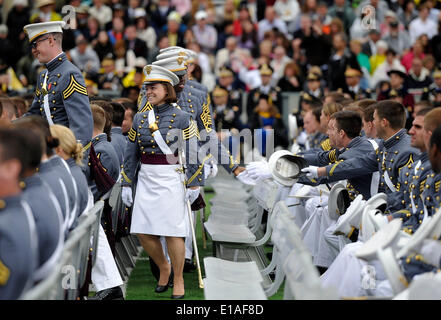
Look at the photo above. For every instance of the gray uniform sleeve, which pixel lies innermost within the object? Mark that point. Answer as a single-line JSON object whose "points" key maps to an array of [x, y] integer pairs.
{"points": [[351, 168], [321, 158], [131, 155], [76, 103], [190, 135]]}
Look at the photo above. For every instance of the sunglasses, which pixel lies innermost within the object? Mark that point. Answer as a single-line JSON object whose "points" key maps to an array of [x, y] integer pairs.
{"points": [[35, 43]]}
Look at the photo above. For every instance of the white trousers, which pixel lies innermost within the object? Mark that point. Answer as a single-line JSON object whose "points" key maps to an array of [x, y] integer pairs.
{"points": [[105, 273]]}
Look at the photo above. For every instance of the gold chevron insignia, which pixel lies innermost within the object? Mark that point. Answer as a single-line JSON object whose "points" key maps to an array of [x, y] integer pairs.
{"points": [[206, 117], [191, 131], [74, 86], [4, 274], [132, 135], [147, 107]]}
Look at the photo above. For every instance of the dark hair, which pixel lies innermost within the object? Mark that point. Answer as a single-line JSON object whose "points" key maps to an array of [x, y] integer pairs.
{"points": [[317, 112], [368, 113], [423, 111], [435, 139], [348, 121], [171, 93], [364, 103], [15, 144], [393, 112], [38, 126], [118, 113], [127, 104], [109, 116]]}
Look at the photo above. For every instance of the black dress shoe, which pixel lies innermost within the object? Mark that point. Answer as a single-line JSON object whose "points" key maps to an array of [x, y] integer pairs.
{"points": [[178, 296], [189, 265], [160, 289], [114, 293]]}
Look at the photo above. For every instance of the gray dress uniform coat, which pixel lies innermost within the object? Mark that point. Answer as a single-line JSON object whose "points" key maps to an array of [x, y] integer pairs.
{"points": [[392, 155], [82, 188], [316, 140], [171, 121], [196, 85], [60, 180], [108, 157], [119, 143], [358, 147], [18, 248], [207, 127], [48, 221], [68, 100], [409, 187]]}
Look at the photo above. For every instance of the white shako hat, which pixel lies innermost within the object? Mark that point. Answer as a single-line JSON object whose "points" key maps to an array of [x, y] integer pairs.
{"points": [[175, 64], [38, 29], [154, 74]]}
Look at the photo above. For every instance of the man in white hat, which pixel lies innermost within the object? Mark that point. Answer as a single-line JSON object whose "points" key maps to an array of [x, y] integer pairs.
{"points": [[60, 95], [205, 34], [46, 12]]}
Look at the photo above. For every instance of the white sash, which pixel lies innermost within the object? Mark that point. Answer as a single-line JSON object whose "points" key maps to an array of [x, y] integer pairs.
{"points": [[375, 180], [47, 110], [387, 178], [411, 190], [158, 137]]}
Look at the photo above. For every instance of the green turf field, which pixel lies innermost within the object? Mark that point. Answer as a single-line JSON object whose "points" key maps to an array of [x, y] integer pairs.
{"points": [[142, 283]]}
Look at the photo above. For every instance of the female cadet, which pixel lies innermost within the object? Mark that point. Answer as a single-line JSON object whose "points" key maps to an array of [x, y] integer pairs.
{"points": [[155, 139], [72, 152]]}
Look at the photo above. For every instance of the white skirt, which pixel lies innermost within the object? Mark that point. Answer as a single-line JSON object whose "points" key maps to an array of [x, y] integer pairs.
{"points": [[158, 207]]}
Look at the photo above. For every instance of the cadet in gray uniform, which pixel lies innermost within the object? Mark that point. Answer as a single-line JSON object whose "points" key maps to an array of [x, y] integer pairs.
{"points": [[44, 205], [71, 151], [60, 95], [393, 153], [18, 238], [350, 146], [104, 151], [156, 136]]}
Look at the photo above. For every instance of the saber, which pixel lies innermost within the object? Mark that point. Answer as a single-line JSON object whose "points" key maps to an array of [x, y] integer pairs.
{"points": [[202, 218], [190, 217]]}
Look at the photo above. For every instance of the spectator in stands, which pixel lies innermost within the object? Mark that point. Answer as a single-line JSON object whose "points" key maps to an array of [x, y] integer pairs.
{"points": [[159, 16], [46, 12], [379, 57], [418, 77], [223, 56], [381, 73], [342, 10], [183, 7], [84, 57], [131, 10], [92, 31], [266, 117], [270, 22], [206, 35], [173, 30], [145, 31], [278, 63], [288, 11], [422, 25], [355, 46], [8, 53], [417, 51], [17, 18], [133, 43], [9, 82], [370, 47], [18, 238], [116, 33], [103, 47], [408, 14], [292, 80], [101, 12], [395, 38], [225, 15]]}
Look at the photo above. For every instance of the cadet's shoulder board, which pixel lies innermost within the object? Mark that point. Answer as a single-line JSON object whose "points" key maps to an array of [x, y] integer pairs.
{"points": [[132, 135], [191, 131], [206, 117], [326, 145], [4, 274], [74, 86], [146, 107], [87, 146]]}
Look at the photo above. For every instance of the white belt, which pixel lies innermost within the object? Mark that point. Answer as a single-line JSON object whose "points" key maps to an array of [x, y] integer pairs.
{"points": [[375, 180], [387, 178], [411, 190], [47, 110]]}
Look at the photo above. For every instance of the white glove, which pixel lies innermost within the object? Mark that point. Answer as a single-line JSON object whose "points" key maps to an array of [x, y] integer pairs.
{"points": [[431, 251], [245, 178], [126, 196], [258, 170], [210, 170], [191, 195], [311, 172]]}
